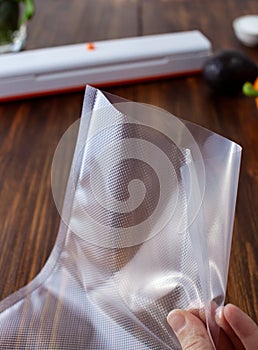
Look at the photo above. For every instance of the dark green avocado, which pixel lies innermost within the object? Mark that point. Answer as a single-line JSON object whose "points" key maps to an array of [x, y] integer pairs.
{"points": [[226, 71]]}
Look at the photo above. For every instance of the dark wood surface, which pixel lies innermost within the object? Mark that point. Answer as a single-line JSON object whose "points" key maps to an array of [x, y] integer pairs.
{"points": [[30, 129]]}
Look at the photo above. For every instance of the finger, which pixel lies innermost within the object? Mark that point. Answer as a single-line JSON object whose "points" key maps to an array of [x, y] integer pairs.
{"points": [[198, 313], [223, 323], [223, 342], [201, 312], [243, 326], [189, 330]]}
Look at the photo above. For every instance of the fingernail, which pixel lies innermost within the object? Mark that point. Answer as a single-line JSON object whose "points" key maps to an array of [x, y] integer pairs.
{"points": [[219, 314], [176, 320]]}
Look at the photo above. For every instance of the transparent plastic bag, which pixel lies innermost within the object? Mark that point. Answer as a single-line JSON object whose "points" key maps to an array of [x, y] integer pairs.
{"points": [[147, 206]]}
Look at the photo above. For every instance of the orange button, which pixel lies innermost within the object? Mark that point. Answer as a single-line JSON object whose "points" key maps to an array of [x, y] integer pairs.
{"points": [[90, 46]]}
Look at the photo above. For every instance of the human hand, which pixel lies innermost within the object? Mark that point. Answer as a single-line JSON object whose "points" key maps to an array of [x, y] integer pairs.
{"points": [[238, 331]]}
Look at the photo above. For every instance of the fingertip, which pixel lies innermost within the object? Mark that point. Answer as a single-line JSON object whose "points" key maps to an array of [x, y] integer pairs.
{"points": [[171, 314], [231, 307], [232, 312], [176, 319], [219, 315], [189, 329], [180, 319], [239, 320]]}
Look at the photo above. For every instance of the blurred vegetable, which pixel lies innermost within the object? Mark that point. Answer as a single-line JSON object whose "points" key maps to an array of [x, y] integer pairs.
{"points": [[10, 18], [226, 72], [29, 10], [251, 90]]}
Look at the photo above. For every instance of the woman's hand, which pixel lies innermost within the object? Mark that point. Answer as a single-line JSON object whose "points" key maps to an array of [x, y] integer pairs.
{"points": [[238, 331]]}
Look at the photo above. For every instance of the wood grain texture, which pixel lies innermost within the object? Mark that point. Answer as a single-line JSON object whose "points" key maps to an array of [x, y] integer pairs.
{"points": [[30, 129]]}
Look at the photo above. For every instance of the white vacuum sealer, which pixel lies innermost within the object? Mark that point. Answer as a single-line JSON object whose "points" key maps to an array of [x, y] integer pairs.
{"points": [[70, 67]]}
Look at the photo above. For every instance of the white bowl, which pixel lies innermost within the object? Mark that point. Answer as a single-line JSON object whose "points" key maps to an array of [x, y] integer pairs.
{"points": [[246, 29]]}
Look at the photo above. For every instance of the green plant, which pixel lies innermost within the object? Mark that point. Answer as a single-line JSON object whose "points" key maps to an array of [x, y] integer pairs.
{"points": [[29, 10], [11, 19]]}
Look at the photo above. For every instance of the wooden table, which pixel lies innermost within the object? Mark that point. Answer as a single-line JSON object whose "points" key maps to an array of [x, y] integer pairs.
{"points": [[30, 129]]}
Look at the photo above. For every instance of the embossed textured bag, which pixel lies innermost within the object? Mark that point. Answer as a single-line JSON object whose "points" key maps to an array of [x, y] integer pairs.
{"points": [[147, 216]]}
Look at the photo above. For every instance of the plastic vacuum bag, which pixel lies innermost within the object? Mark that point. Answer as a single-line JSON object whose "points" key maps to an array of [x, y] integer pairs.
{"points": [[147, 210]]}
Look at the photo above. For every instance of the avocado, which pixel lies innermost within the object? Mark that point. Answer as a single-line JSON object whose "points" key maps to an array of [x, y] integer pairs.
{"points": [[226, 71]]}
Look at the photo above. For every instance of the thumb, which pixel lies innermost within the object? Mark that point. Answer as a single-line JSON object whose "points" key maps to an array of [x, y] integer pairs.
{"points": [[189, 330]]}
